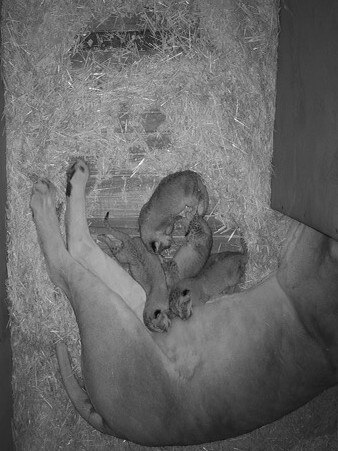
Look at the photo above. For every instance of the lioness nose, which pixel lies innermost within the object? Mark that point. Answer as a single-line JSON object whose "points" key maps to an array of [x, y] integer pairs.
{"points": [[157, 313], [157, 320]]}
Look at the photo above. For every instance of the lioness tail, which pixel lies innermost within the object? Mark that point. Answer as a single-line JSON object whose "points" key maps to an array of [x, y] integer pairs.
{"points": [[77, 395]]}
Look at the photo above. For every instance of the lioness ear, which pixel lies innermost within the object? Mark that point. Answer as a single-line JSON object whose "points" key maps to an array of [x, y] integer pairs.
{"points": [[185, 292]]}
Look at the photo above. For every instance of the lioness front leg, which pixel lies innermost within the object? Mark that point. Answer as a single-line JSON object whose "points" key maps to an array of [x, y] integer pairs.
{"points": [[82, 247]]}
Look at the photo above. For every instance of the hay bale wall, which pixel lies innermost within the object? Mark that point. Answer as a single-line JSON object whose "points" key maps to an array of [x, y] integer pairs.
{"points": [[217, 94]]}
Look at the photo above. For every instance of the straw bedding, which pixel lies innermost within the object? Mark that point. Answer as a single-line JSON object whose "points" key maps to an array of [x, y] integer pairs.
{"points": [[213, 78]]}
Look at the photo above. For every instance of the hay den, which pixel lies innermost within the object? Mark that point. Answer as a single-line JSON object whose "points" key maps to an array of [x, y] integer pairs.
{"points": [[196, 91]]}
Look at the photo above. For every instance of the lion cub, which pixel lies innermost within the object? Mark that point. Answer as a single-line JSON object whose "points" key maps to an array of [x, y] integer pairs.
{"points": [[190, 258], [220, 275], [146, 269], [173, 194]]}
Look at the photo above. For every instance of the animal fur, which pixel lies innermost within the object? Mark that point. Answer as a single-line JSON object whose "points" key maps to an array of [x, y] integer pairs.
{"points": [[190, 258], [188, 261], [146, 269], [173, 194], [220, 275], [241, 361]]}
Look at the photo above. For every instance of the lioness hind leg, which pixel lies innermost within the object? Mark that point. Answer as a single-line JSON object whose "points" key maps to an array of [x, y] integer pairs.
{"points": [[79, 241], [113, 339], [82, 247], [76, 393], [47, 226]]}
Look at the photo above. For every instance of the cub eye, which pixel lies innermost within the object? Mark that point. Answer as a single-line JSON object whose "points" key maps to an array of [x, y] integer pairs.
{"points": [[185, 292]]}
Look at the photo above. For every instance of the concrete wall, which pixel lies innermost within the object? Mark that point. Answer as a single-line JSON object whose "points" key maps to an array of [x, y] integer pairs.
{"points": [[6, 442]]}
